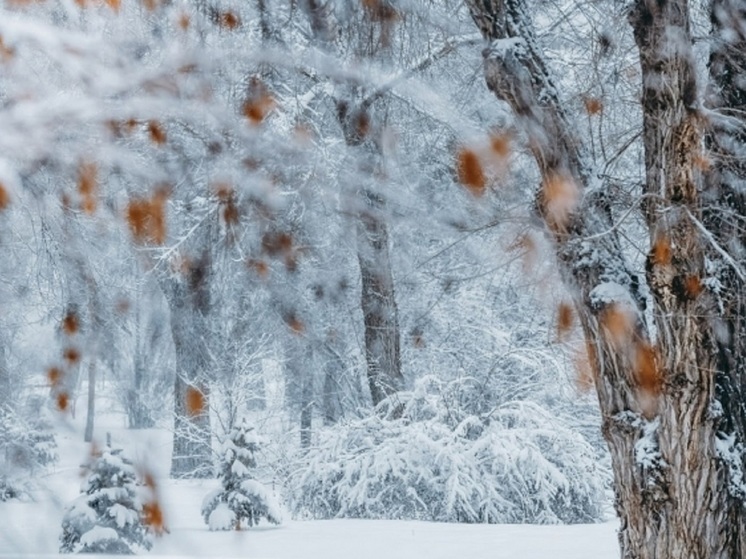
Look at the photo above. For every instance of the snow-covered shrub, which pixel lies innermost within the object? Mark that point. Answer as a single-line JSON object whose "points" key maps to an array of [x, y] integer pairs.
{"points": [[519, 464], [240, 497], [107, 517], [27, 445]]}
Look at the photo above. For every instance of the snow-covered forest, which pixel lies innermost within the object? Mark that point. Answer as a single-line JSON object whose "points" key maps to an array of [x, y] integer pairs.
{"points": [[292, 278]]}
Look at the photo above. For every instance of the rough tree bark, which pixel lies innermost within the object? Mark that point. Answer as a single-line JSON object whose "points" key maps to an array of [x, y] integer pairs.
{"points": [[378, 300], [668, 403], [189, 302]]}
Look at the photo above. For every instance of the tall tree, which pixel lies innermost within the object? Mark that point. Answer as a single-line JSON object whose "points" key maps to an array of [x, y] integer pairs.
{"points": [[671, 390], [370, 36]]}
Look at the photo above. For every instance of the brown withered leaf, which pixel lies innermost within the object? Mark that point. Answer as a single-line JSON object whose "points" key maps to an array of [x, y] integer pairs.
{"points": [[259, 102], [147, 218], [500, 145], [702, 162], [646, 368], [228, 20], [152, 517], [184, 21], [70, 323], [6, 52], [661, 251], [156, 133], [195, 401], [88, 185], [565, 320], [693, 287], [275, 244], [224, 191], [559, 199], [54, 376], [618, 322], [71, 355], [230, 213], [381, 11], [115, 5], [259, 267], [593, 105], [470, 172], [295, 324], [63, 401], [584, 377], [4, 197]]}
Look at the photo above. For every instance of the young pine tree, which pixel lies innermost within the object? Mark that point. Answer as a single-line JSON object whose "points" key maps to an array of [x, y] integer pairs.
{"points": [[241, 497], [107, 517]]}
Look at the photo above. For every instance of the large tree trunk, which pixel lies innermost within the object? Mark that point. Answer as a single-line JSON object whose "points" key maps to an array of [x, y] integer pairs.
{"points": [[189, 303], [378, 304], [662, 411], [377, 297]]}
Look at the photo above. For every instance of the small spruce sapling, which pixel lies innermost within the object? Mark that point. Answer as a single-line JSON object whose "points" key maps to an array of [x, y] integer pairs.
{"points": [[107, 517], [241, 497]]}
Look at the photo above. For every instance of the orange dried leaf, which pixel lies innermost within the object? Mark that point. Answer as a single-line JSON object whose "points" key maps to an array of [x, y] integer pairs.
{"points": [[295, 324], [584, 377], [152, 517], [618, 322], [593, 105], [147, 218], [184, 21], [559, 198], [6, 53], [260, 267], [71, 355], [54, 376], [195, 401], [661, 252], [70, 323], [500, 145], [63, 401], [565, 320], [88, 185], [470, 172], [702, 162], [381, 11], [156, 132], [229, 20], [693, 287], [224, 191], [4, 197], [259, 102], [230, 213], [648, 376], [114, 4]]}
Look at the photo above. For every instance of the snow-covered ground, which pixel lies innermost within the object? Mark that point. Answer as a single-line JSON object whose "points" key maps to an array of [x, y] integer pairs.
{"points": [[31, 529]]}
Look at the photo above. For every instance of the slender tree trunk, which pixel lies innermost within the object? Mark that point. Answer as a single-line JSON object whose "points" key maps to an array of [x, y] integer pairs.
{"points": [[663, 413], [88, 437]]}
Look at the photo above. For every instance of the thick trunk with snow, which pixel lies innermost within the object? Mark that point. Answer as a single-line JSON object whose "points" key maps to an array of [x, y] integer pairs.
{"points": [[668, 415]]}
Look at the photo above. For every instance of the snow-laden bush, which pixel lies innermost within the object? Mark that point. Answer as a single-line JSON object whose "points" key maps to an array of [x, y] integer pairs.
{"points": [[519, 464], [241, 497], [107, 517], [27, 445]]}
